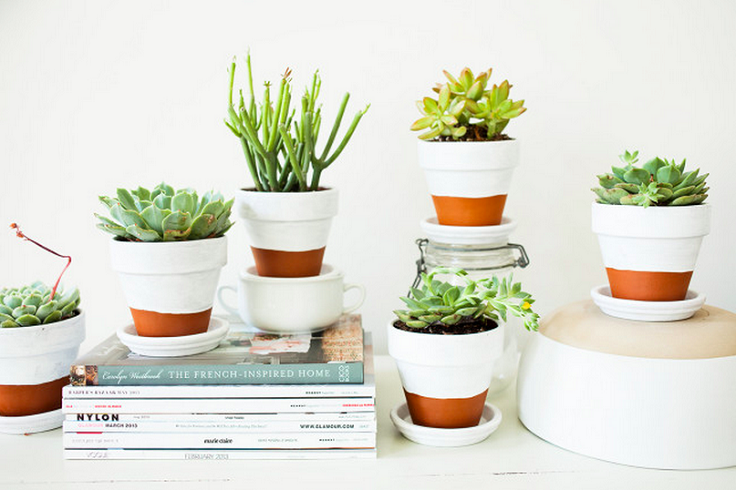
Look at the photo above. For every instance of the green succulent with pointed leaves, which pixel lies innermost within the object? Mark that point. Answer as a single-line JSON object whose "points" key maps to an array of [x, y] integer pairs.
{"points": [[656, 183], [165, 215], [467, 109], [441, 302], [35, 305]]}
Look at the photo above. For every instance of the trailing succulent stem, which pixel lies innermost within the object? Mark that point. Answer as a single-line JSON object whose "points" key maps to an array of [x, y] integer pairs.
{"points": [[279, 150], [656, 183], [466, 109], [37, 304], [441, 302], [163, 214]]}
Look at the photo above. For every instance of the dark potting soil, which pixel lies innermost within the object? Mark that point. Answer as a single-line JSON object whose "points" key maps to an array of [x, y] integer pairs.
{"points": [[475, 133], [464, 326]]}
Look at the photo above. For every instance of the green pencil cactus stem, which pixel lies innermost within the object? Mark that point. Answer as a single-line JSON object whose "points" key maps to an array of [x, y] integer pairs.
{"points": [[656, 183], [466, 109], [441, 302], [282, 156]]}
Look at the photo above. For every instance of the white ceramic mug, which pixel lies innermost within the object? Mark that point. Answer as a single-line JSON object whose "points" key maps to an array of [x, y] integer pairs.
{"points": [[291, 305]]}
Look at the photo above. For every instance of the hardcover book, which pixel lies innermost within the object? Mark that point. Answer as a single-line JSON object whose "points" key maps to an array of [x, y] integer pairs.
{"points": [[332, 356]]}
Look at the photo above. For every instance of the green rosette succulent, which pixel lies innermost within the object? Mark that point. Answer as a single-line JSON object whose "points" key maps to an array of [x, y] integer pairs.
{"points": [[35, 305], [444, 303], [165, 215], [656, 183], [467, 109]]}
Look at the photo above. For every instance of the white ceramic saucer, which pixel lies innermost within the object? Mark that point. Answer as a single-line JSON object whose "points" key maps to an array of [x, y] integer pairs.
{"points": [[432, 436], [28, 424], [468, 235], [186, 345], [647, 311]]}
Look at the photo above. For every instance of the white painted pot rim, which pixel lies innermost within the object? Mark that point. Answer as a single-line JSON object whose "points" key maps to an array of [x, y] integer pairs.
{"points": [[327, 273], [651, 222], [468, 235], [51, 337], [287, 206], [455, 350], [176, 257], [466, 155]]}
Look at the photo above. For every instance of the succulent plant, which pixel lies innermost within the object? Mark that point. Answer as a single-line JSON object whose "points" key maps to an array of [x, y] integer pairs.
{"points": [[165, 215], [467, 109], [443, 303], [34, 305], [280, 152], [656, 183], [37, 303]]}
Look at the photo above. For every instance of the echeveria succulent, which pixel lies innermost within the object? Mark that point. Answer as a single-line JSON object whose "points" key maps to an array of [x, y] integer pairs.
{"points": [[165, 215], [656, 183], [467, 109], [442, 302], [34, 305]]}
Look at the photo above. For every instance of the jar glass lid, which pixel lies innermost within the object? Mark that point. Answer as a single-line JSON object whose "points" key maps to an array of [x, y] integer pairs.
{"points": [[468, 235]]}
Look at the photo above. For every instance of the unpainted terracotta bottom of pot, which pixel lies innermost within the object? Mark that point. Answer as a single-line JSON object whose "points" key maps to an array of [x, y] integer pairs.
{"points": [[279, 263], [469, 211], [20, 400], [648, 286], [155, 324], [446, 413]]}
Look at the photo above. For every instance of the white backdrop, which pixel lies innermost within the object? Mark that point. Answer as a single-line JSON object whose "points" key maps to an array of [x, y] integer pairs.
{"points": [[97, 95]]}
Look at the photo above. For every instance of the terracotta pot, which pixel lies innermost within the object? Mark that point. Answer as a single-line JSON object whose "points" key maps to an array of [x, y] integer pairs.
{"points": [[34, 366], [170, 286], [287, 231], [445, 377], [650, 253], [469, 180]]}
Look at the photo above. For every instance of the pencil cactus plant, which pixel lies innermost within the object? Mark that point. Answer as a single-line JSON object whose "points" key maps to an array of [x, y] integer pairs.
{"points": [[37, 303], [656, 183], [466, 109], [439, 302], [280, 151], [164, 214]]}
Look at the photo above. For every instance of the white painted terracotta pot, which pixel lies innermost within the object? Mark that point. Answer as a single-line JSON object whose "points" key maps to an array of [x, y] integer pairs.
{"points": [[454, 369], [170, 286], [34, 364], [650, 253], [469, 180], [287, 230]]}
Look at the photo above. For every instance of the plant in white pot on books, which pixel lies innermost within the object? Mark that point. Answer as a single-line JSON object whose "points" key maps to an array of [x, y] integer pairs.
{"points": [[446, 342], [287, 213], [168, 249], [467, 159], [650, 222], [41, 328]]}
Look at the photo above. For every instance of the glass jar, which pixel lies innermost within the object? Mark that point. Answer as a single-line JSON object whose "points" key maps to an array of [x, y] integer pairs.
{"points": [[482, 252]]}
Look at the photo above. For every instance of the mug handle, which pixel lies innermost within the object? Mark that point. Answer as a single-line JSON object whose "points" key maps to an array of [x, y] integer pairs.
{"points": [[228, 308], [353, 307]]}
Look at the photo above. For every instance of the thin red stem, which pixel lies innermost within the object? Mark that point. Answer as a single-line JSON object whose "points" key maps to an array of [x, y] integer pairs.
{"points": [[20, 234]]}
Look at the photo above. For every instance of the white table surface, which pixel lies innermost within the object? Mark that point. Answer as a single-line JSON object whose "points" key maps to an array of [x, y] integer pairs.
{"points": [[510, 458]]}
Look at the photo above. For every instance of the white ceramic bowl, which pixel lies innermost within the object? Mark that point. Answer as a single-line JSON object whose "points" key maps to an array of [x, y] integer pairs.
{"points": [[292, 304], [647, 311]]}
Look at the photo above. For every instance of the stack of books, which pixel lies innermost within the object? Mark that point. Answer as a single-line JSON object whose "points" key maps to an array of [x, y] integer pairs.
{"points": [[256, 396]]}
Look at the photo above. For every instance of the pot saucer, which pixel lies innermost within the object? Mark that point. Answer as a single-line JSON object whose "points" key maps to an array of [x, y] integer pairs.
{"points": [[647, 311], [186, 345], [468, 235], [432, 436], [28, 424]]}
